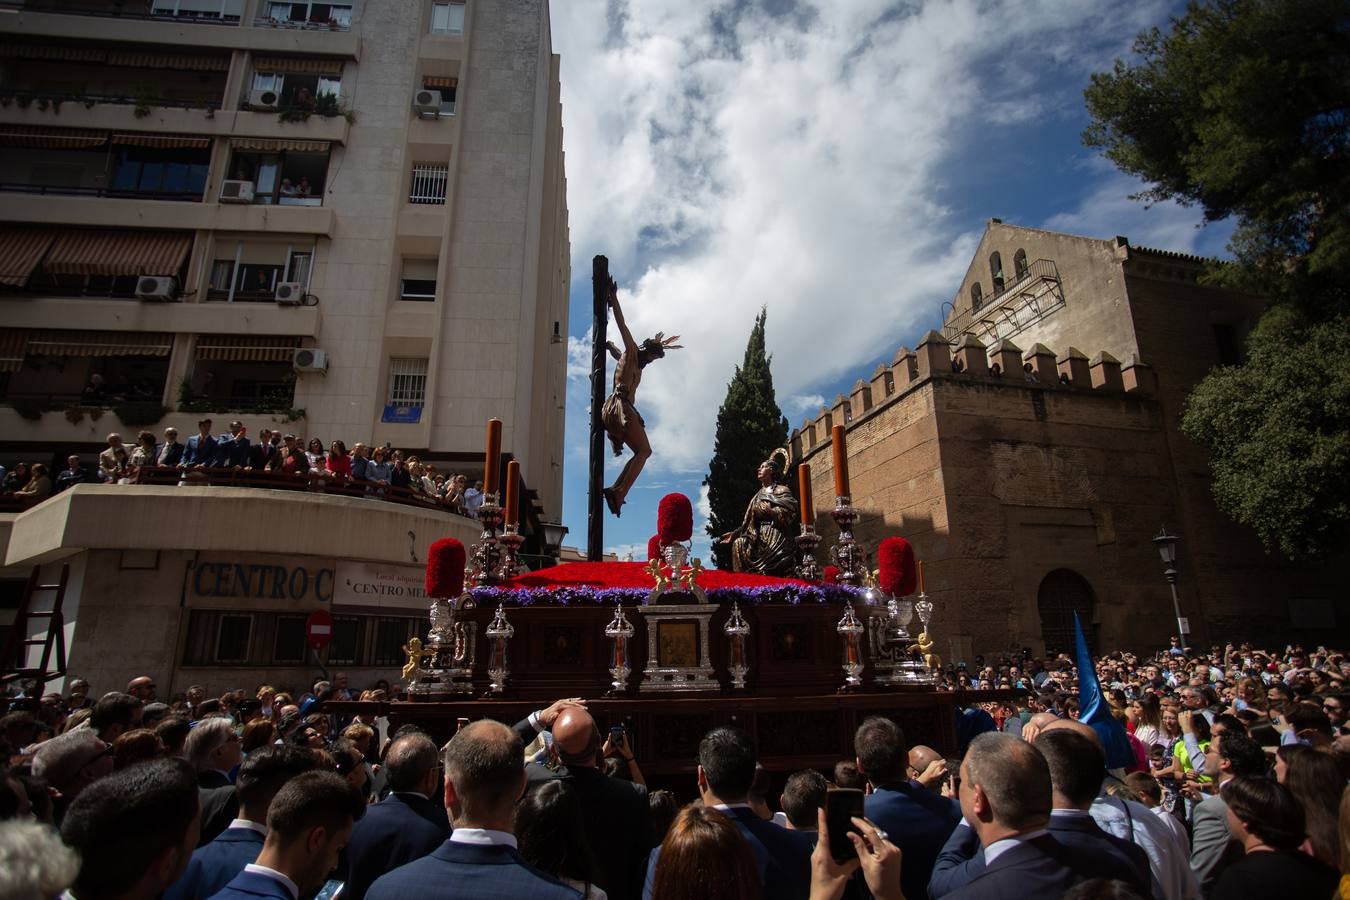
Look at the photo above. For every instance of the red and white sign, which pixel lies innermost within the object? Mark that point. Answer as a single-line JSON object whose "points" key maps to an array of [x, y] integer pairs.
{"points": [[319, 629]]}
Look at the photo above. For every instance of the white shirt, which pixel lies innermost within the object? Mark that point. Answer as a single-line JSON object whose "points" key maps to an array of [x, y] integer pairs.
{"points": [[1168, 861], [483, 837], [1173, 825], [275, 876], [252, 826], [998, 848]]}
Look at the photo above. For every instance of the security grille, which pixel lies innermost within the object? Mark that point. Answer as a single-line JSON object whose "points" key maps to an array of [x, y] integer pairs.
{"points": [[428, 183]]}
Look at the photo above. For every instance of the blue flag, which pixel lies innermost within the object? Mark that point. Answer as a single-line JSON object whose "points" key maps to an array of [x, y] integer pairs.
{"points": [[1093, 709]]}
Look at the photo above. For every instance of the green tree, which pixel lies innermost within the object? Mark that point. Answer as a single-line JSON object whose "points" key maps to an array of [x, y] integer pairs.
{"points": [[1241, 108], [749, 426]]}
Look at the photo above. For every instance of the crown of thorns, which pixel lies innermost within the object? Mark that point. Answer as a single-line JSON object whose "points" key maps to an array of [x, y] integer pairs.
{"points": [[660, 344]]}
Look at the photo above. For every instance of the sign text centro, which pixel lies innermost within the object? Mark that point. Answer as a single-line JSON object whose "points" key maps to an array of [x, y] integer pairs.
{"points": [[380, 585]]}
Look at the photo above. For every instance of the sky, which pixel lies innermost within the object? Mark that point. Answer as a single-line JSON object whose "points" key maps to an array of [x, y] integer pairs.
{"points": [[834, 162]]}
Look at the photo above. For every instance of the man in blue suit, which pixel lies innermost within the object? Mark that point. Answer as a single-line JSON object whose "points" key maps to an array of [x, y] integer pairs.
{"points": [[726, 770], [200, 450], [484, 777], [917, 820], [261, 776], [406, 825], [232, 451], [308, 824]]}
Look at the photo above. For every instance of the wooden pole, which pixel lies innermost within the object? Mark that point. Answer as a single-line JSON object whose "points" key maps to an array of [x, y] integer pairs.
{"points": [[595, 503]]}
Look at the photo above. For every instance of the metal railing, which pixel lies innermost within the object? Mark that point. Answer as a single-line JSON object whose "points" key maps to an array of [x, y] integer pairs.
{"points": [[114, 10], [330, 25], [1040, 276], [429, 184], [64, 98], [63, 191]]}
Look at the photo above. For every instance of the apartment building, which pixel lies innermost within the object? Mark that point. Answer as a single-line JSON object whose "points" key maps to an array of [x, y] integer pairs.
{"points": [[347, 220]]}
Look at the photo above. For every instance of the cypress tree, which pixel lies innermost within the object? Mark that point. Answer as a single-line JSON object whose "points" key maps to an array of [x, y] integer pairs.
{"points": [[749, 426]]}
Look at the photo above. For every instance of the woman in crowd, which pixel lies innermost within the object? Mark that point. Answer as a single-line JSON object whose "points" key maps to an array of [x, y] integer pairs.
{"points": [[454, 495], [39, 486], [314, 455], [136, 746], [143, 454], [1144, 720], [351, 765], [548, 827], [415, 472], [378, 471], [338, 463], [258, 733], [16, 478], [267, 695], [1269, 824], [1168, 772], [1315, 780], [705, 857], [296, 463]]}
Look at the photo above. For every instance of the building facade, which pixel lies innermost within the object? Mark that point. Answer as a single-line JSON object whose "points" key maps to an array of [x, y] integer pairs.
{"points": [[341, 220], [1031, 451]]}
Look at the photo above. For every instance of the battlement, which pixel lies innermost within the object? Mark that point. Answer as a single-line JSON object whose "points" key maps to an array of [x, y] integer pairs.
{"points": [[1001, 363]]}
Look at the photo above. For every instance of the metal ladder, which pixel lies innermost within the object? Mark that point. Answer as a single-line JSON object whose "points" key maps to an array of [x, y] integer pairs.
{"points": [[15, 657]]}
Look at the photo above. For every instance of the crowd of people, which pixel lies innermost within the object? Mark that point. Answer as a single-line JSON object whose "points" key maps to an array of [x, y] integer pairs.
{"points": [[380, 471], [1237, 789]]}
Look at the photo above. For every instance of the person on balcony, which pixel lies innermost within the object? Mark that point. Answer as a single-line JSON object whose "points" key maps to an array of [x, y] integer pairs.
{"points": [[170, 452], [232, 452], [378, 471], [338, 463], [39, 486], [262, 454], [318, 460], [112, 462], [73, 473], [200, 449], [360, 461], [143, 454]]}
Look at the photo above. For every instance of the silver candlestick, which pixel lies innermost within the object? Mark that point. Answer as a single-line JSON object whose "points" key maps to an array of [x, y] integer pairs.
{"points": [[737, 631], [487, 553], [620, 631], [807, 541], [850, 629], [498, 633], [848, 556]]}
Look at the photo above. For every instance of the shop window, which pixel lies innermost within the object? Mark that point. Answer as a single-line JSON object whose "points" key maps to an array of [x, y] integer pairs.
{"points": [[232, 638], [346, 648]]}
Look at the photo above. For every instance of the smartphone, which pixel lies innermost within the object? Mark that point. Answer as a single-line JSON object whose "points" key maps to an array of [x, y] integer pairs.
{"points": [[331, 890], [616, 735], [841, 806]]}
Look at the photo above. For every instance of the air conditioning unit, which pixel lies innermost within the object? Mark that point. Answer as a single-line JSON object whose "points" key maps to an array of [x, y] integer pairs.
{"points": [[264, 99], [290, 293], [427, 102], [160, 288], [309, 359], [236, 192]]}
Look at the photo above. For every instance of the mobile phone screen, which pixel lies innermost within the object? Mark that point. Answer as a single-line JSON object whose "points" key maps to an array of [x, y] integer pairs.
{"points": [[841, 805], [616, 734], [331, 890]]}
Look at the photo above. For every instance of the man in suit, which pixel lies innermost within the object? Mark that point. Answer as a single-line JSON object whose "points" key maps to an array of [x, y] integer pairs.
{"points": [[406, 825], [1006, 797], [261, 776], [917, 820], [74, 473], [726, 771], [264, 453], [134, 831], [169, 453], [231, 452], [115, 714], [1212, 846], [618, 823], [484, 777], [201, 448], [308, 824], [214, 750]]}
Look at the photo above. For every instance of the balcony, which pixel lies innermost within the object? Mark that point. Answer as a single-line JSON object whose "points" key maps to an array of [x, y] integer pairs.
{"points": [[87, 163], [142, 10], [303, 16], [1033, 294]]}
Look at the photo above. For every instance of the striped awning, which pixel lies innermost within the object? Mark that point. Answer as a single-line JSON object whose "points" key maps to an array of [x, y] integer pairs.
{"points": [[246, 348], [97, 252], [297, 66], [13, 343], [21, 249], [51, 342], [437, 82], [51, 138], [275, 145], [54, 51], [182, 61], [164, 141]]}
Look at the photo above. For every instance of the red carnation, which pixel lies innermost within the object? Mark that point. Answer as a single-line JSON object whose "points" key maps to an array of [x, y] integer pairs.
{"points": [[898, 576], [675, 519], [653, 547], [831, 575], [445, 569]]}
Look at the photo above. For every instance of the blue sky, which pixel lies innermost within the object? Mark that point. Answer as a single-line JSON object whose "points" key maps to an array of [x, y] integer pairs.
{"points": [[834, 162]]}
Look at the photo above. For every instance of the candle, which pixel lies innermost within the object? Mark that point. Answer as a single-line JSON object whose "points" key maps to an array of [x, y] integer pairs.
{"points": [[510, 506], [804, 494], [494, 455], [920, 576], [840, 461]]}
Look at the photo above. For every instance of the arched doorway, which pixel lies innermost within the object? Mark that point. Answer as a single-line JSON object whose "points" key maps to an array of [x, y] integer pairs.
{"points": [[1062, 593]]}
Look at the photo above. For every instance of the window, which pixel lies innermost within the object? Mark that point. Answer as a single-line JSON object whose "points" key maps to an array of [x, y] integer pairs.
{"points": [[976, 296], [297, 89], [390, 635], [257, 281], [286, 178], [224, 10], [298, 266], [288, 646], [150, 170], [1020, 267], [407, 382], [332, 15], [347, 646], [250, 272], [419, 280], [232, 636], [447, 88], [428, 183], [996, 271], [447, 18]]}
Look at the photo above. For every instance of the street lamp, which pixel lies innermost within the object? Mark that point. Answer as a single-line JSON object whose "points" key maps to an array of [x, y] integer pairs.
{"points": [[1167, 550], [553, 536]]}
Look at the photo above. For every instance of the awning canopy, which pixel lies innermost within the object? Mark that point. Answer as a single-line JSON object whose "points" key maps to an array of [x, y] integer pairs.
{"points": [[182, 61], [276, 145], [246, 348], [51, 138], [54, 51], [50, 342], [13, 342], [297, 66], [114, 253], [163, 141], [21, 249], [437, 82]]}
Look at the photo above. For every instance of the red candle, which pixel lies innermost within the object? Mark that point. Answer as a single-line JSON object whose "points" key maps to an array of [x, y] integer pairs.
{"points": [[512, 479], [494, 455], [840, 461], [920, 576], [804, 494]]}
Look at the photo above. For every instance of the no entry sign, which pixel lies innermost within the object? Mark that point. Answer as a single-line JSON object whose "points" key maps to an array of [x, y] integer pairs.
{"points": [[319, 629]]}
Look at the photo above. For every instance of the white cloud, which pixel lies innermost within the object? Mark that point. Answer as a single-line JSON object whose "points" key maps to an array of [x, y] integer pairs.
{"points": [[727, 159]]}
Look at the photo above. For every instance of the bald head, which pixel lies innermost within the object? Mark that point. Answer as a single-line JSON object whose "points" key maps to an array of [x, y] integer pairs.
{"points": [[1075, 726], [921, 757], [575, 737], [1036, 724]]}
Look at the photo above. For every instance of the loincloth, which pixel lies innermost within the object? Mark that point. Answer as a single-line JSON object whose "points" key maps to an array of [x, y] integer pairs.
{"points": [[616, 415]]}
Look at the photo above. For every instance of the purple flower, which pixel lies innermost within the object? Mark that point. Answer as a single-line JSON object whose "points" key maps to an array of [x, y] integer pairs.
{"points": [[582, 596]]}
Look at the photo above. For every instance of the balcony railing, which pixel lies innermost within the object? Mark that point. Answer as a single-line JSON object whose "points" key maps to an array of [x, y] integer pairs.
{"points": [[329, 25], [1030, 296], [114, 10], [25, 99], [56, 190], [428, 184]]}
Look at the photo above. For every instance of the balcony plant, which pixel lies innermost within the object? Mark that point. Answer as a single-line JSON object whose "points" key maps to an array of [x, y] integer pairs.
{"points": [[139, 413]]}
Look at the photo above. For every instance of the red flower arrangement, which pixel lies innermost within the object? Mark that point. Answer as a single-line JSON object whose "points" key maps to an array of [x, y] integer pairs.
{"points": [[898, 576], [445, 569], [830, 575], [675, 519], [653, 547]]}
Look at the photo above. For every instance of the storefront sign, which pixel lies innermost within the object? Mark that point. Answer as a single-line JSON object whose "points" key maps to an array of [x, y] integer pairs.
{"points": [[224, 580], [381, 585]]}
